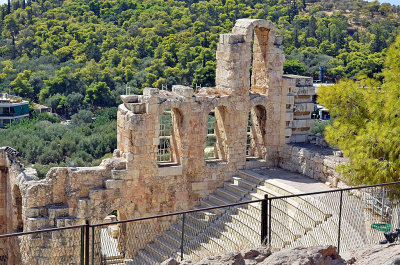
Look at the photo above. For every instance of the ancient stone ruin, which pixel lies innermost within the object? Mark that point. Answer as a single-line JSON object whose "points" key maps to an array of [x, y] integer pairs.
{"points": [[174, 148]]}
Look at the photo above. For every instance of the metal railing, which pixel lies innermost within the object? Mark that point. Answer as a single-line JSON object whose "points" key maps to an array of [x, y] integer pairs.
{"points": [[337, 217]]}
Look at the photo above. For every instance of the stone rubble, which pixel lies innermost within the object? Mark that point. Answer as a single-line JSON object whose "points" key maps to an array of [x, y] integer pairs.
{"points": [[322, 255]]}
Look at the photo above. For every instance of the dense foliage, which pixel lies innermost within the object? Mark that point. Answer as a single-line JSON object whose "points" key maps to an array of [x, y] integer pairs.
{"points": [[81, 54], [44, 142], [78, 56], [367, 123]]}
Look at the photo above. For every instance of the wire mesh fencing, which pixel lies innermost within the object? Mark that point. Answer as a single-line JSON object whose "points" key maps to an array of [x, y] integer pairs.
{"points": [[348, 218], [345, 218], [137, 242], [43, 247], [214, 232]]}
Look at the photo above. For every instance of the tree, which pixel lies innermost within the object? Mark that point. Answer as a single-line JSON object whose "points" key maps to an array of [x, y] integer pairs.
{"points": [[8, 7], [294, 67], [97, 93], [367, 123], [82, 117], [74, 102], [21, 84], [205, 76], [293, 10], [11, 28]]}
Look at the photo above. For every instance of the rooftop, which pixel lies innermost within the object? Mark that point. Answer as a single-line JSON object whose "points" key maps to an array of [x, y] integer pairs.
{"points": [[6, 98]]}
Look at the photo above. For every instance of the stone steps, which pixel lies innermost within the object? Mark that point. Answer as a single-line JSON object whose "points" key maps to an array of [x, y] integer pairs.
{"points": [[58, 215], [294, 221]]}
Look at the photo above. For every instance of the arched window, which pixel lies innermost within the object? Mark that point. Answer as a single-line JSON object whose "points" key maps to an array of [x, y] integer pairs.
{"points": [[216, 147], [211, 141], [18, 225], [249, 137], [169, 137], [256, 132], [164, 145], [259, 65]]}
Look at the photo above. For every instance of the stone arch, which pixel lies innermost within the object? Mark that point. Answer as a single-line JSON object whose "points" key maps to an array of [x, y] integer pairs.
{"points": [[262, 32], [257, 132], [17, 224], [234, 58]]}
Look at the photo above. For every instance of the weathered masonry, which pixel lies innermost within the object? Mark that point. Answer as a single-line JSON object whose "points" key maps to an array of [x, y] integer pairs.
{"points": [[174, 147]]}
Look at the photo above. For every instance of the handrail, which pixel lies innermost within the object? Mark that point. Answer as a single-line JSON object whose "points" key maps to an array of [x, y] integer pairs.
{"points": [[246, 202], [42, 231], [199, 210]]}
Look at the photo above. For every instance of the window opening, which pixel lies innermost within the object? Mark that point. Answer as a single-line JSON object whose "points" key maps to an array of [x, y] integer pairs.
{"points": [[164, 146], [17, 205], [211, 141], [248, 143]]}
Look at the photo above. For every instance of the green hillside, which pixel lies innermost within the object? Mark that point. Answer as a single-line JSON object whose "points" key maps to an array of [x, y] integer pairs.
{"points": [[61, 53], [78, 56]]}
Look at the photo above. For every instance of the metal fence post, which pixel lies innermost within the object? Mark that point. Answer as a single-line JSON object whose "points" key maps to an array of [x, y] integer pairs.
{"points": [[183, 235], [82, 245], [269, 221], [340, 218], [264, 219], [93, 245], [87, 243]]}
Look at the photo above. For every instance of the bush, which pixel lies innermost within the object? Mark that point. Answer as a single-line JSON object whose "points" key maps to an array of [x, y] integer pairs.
{"points": [[82, 117], [318, 128]]}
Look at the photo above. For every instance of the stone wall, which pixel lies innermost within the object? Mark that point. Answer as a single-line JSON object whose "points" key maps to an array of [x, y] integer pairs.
{"points": [[313, 161], [299, 107]]}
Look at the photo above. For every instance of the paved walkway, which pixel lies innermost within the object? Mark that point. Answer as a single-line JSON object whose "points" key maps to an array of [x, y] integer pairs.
{"points": [[297, 182]]}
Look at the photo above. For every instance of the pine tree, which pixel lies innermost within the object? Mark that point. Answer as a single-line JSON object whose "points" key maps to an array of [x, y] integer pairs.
{"points": [[367, 123]]}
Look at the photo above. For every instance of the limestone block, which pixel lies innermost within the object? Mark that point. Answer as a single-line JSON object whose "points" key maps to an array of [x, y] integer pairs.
{"points": [[137, 108], [164, 171], [303, 107], [299, 138], [130, 98], [231, 38], [306, 90], [278, 40], [150, 91], [185, 91], [290, 99], [307, 123]]}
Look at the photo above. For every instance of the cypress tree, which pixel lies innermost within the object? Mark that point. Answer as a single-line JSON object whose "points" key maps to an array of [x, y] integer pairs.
{"points": [[9, 7]]}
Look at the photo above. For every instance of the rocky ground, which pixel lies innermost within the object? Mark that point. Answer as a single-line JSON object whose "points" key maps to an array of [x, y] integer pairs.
{"points": [[325, 255]]}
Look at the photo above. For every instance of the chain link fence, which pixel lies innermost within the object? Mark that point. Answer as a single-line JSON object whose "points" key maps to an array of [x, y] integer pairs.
{"points": [[62, 246], [346, 218]]}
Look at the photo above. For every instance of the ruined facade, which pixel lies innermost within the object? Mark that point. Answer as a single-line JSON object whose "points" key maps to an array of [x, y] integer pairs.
{"points": [[174, 147]]}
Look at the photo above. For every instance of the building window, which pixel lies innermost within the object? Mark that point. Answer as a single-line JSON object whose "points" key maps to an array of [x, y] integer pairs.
{"points": [[217, 134], [211, 141], [164, 145], [248, 141], [256, 132]]}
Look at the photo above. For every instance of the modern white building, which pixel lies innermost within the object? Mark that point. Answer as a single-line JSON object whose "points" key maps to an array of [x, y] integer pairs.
{"points": [[12, 109]]}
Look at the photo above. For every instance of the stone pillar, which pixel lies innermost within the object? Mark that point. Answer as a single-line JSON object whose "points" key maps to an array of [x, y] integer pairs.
{"points": [[233, 64]]}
